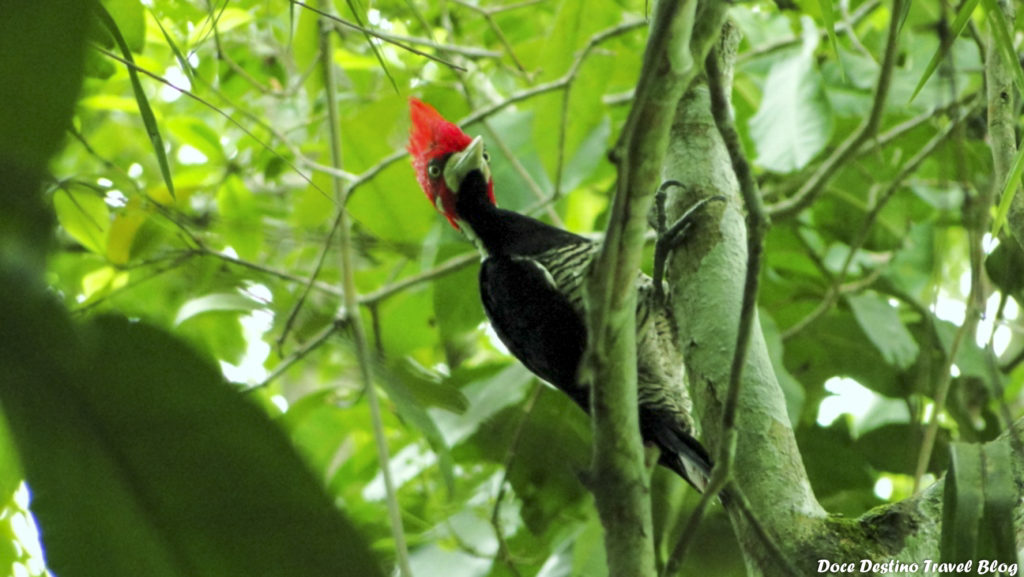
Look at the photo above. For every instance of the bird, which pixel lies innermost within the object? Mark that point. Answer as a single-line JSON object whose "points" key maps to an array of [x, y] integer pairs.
{"points": [[531, 286]]}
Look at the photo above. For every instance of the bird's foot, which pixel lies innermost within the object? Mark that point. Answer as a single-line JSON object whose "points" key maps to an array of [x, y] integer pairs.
{"points": [[671, 237]]}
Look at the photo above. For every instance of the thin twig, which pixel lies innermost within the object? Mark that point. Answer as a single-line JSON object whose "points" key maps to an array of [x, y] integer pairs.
{"points": [[352, 315], [449, 266], [816, 184], [465, 51], [488, 15], [503, 8], [309, 346], [269, 271], [834, 290], [757, 226], [214, 108], [321, 258], [887, 137], [847, 24], [855, 18], [173, 264], [375, 34], [570, 77], [510, 457]]}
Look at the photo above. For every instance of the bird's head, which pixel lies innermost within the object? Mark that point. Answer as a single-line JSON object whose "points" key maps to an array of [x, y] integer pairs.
{"points": [[443, 156]]}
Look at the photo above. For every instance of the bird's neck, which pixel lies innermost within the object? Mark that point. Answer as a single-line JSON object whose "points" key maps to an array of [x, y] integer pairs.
{"points": [[499, 232]]}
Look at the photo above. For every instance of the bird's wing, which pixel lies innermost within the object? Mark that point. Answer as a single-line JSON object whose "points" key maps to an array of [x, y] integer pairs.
{"points": [[535, 321]]}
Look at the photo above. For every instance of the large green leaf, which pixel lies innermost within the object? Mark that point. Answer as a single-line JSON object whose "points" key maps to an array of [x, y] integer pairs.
{"points": [[833, 463], [550, 453], [793, 123], [963, 504], [145, 109], [149, 463], [894, 448], [962, 17], [884, 327], [42, 77], [835, 345]]}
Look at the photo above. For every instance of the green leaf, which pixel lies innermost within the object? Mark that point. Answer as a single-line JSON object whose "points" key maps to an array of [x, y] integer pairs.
{"points": [[793, 123], [489, 390], [884, 327], [148, 118], [458, 310], [199, 135], [1005, 266], [150, 464], [131, 21], [895, 447], [1002, 30], [998, 533], [963, 500], [970, 359], [589, 557], [402, 381], [41, 54], [834, 464], [227, 19], [551, 448], [836, 346], [1009, 190], [243, 221], [10, 466], [574, 24], [962, 17], [10, 551], [828, 15], [183, 62], [84, 214]]}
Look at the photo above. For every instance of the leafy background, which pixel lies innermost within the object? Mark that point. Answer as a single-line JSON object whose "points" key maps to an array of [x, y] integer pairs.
{"points": [[223, 242]]}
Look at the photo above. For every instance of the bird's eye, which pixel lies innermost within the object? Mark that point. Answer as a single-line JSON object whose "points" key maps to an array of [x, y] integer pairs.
{"points": [[433, 170], [487, 157]]}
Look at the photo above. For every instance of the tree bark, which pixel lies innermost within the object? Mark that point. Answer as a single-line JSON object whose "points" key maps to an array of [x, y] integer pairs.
{"points": [[706, 277], [620, 481]]}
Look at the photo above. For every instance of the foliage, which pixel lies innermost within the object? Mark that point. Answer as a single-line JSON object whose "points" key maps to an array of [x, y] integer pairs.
{"points": [[210, 219]]}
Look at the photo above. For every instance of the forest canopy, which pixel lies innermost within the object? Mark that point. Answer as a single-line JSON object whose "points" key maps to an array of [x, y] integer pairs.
{"points": [[225, 298]]}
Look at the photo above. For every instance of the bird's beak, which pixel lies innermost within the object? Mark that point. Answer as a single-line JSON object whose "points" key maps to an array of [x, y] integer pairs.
{"points": [[462, 163]]}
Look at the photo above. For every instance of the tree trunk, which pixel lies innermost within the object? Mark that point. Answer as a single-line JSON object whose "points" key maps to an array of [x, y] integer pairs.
{"points": [[706, 277]]}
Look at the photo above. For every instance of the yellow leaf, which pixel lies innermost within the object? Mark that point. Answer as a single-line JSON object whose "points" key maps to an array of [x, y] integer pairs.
{"points": [[98, 281], [122, 233]]}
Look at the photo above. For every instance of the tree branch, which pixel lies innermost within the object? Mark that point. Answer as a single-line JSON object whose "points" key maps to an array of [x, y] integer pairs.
{"points": [[707, 295], [620, 483], [1002, 127]]}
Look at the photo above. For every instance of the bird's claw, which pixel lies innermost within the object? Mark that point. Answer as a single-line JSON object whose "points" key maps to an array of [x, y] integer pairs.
{"points": [[670, 238]]}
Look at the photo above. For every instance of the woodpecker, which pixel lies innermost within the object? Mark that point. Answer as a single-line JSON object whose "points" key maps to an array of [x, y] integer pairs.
{"points": [[531, 285]]}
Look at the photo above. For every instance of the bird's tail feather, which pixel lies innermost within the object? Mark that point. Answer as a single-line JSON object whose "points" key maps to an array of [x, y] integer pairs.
{"points": [[686, 456]]}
